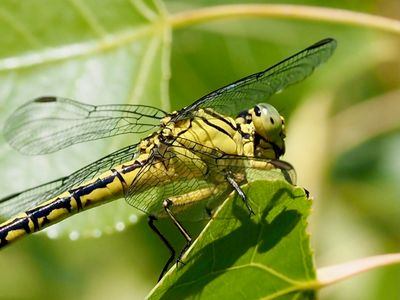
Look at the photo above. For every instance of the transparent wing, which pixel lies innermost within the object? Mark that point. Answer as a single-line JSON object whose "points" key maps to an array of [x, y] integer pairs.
{"points": [[22, 201], [179, 171], [257, 88], [188, 167], [48, 124], [218, 162]]}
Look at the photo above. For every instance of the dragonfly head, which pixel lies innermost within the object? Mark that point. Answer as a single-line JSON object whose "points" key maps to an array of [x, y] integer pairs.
{"points": [[270, 125]]}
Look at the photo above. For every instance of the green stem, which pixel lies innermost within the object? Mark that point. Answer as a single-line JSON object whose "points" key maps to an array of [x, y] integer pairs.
{"points": [[196, 16], [329, 275], [312, 13]]}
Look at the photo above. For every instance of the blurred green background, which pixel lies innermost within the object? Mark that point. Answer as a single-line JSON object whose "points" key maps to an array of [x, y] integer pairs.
{"points": [[343, 131]]}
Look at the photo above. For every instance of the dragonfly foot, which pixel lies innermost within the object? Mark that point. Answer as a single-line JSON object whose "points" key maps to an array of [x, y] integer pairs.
{"points": [[179, 261], [209, 212], [251, 212], [307, 193]]}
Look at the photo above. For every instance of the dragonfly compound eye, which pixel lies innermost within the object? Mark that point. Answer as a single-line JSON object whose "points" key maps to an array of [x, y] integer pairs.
{"points": [[267, 120], [269, 124]]}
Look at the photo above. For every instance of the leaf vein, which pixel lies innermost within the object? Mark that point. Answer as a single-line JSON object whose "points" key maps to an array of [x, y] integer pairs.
{"points": [[60, 54], [146, 11], [286, 291], [143, 72], [161, 7], [274, 272], [89, 18], [165, 69]]}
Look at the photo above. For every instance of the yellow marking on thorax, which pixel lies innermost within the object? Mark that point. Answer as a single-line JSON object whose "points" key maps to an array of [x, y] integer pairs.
{"points": [[248, 143], [219, 135]]}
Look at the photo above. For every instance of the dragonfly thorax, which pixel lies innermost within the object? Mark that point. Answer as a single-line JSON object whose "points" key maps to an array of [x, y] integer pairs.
{"points": [[269, 127]]}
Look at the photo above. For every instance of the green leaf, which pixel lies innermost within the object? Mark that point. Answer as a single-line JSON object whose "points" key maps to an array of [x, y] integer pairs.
{"points": [[236, 256], [96, 52]]}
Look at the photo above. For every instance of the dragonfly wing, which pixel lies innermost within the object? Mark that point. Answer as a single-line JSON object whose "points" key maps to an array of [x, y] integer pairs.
{"points": [[178, 172], [19, 202], [257, 88], [254, 168], [250, 167], [22, 201], [196, 172], [48, 124]]}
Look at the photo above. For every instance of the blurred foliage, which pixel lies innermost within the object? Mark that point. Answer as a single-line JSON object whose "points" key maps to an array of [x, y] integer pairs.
{"points": [[109, 52]]}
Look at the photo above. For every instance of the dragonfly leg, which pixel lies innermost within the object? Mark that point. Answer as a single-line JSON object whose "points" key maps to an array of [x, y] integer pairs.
{"points": [[240, 192], [168, 203], [209, 211], [184, 199], [166, 243]]}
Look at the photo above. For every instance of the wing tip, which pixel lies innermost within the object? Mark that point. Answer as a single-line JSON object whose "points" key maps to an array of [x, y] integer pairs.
{"points": [[330, 43]]}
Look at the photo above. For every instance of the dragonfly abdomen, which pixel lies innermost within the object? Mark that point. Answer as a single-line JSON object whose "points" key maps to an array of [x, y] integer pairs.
{"points": [[35, 219], [107, 187]]}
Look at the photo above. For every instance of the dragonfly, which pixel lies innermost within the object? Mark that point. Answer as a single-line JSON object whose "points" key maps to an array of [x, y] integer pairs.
{"points": [[198, 154]]}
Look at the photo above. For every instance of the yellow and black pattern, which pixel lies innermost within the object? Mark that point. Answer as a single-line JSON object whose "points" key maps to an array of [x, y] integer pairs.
{"points": [[106, 187], [199, 153]]}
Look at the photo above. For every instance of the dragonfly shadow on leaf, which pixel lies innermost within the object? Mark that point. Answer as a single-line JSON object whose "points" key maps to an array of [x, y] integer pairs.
{"points": [[279, 227], [229, 243]]}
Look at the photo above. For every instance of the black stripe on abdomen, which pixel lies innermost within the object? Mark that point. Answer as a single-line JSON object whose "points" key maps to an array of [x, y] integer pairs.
{"points": [[43, 211], [17, 224]]}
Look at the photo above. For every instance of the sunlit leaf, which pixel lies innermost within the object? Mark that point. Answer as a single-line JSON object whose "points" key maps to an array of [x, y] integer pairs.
{"points": [[236, 256], [95, 52]]}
